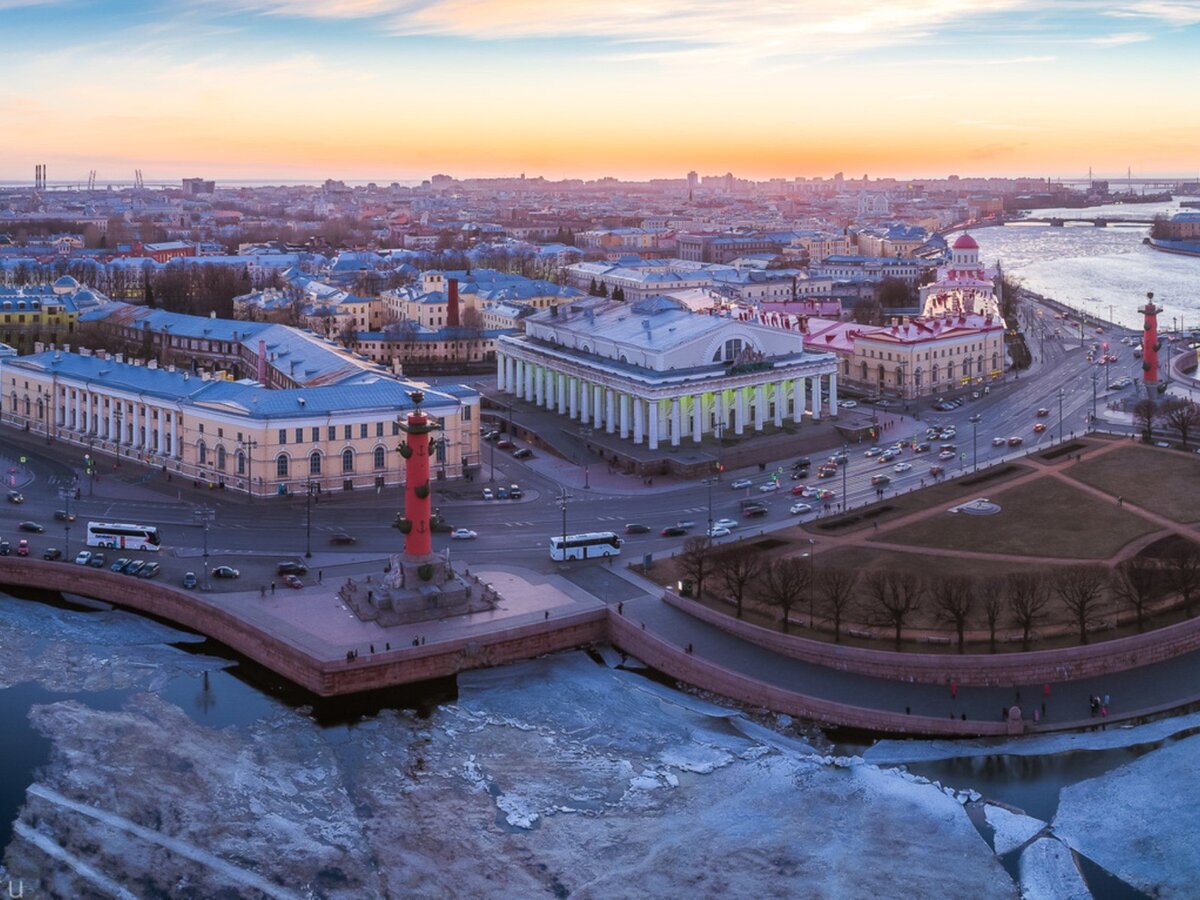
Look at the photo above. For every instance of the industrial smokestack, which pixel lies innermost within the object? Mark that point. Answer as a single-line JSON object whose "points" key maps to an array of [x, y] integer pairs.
{"points": [[452, 303]]}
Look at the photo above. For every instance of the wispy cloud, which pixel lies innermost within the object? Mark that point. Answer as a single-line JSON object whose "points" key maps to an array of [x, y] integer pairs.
{"points": [[1173, 12], [1118, 40]]}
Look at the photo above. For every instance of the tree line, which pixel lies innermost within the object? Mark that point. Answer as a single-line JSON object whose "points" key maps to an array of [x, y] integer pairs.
{"points": [[891, 599]]}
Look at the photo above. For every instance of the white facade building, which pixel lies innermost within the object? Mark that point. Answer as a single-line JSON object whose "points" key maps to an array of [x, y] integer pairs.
{"points": [[654, 372]]}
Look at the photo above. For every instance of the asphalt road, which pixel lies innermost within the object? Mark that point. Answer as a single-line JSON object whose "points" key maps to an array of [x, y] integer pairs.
{"points": [[254, 535]]}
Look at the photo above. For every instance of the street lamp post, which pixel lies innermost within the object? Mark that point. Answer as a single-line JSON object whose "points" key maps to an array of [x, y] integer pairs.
{"points": [[710, 480], [585, 433], [65, 493], [812, 583], [845, 467], [1060, 415], [562, 498], [974, 420], [205, 515], [310, 488], [1094, 374]]}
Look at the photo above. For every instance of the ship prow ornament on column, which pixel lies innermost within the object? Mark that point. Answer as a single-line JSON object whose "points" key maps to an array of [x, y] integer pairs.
{"points": [[1151, 343], [418, 584]]}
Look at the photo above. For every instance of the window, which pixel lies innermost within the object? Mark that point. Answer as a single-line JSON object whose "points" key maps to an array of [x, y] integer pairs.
{"points": [[281, 465], [332, 432], [347, 460], [201, 453], [299, 435], [396, 427], [316, 434], [314, 463], [378, 429], [380, 458], [362, 430], [348, 431], [221, 458], [466, 414], [241, 463], [282, 435]]}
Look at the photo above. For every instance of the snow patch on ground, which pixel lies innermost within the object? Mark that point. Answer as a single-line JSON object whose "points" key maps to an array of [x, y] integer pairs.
{"points": [[1140, 821], [1011, 829], [1048, 872]]}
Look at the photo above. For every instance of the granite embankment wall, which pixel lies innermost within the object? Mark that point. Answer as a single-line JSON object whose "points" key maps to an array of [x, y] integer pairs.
{"points": [[1002, 669], [289, 656]]}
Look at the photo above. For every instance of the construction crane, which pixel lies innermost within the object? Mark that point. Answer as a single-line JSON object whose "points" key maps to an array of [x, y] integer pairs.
{"points": [[138, 183], [91, 181]]}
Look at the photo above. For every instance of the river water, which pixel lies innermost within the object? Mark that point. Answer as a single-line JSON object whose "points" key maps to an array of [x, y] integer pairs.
{"points": [[1094, 269], [140, 760]]}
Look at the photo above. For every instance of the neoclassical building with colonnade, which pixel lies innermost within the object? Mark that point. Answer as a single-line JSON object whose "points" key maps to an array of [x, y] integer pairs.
{"points": [[657, 373]]}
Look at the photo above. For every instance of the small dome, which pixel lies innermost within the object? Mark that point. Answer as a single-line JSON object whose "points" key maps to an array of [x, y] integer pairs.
{"points": [[66, 285], [965, 242]]}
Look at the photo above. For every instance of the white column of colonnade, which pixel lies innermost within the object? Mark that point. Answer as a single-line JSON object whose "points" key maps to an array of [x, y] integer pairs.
{"points": [[560, 393], [780, 404], [639, 430], [798, 400], [833, 401], [610, 413], [760, 406], [652, 425], [815, 388], [597, 406], [623, 403], [501, 371], [698, 418]]}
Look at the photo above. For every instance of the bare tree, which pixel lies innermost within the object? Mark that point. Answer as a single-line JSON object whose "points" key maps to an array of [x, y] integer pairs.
{"points": [[1144, 413], [1183, 571], [838, 589], [696, 561], [1081, 590], [895, 596], [991, 596], [1027, 599], [738, 568], [784, 583], [953, 601], [1134, 582], [1180, 414]]}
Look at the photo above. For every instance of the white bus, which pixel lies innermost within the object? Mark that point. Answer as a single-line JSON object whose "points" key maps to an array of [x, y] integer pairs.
{"points": [[583, 546], [122, 536]]}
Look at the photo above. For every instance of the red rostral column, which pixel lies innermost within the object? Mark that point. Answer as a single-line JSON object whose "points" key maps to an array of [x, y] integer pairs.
{"points": [[418, 540], [1150, 342]]}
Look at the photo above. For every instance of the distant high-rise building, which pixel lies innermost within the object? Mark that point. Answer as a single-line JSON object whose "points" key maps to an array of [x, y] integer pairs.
{"points": [[693, 182], [195, 186]]}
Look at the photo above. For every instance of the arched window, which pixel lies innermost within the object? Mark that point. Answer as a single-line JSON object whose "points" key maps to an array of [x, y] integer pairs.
{"points": [[979, 364], [14, 401], [314, 463], [881, 373], [949, 371], [241, 463], [846, 367], [967, 367], [281, 465], [899, 378], [995, 362], [380, 458], [221, 458], [933, 374], [41, 410], [26, 406], [917, 377], [347, 460], [733, 347], [864, 368], [201, 453]]}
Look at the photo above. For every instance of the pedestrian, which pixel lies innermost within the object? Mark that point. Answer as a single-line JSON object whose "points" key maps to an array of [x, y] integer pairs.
{"points": [[320, 576], [272, 588], [908, 710], [964, 717], [1104, 712], [1046, 689], [422, 640], [1036, 717], [547, 614], [1106, 699], [1004, 713], [372, 648], [689, 649], [387, 646], [621, 608], [953, 690]]}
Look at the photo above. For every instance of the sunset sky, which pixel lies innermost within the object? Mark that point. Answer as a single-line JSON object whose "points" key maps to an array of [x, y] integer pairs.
{"points": [[401, 89]]}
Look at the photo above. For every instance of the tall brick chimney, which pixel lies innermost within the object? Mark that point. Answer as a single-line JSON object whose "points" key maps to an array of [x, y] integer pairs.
{"points": [[452, 303], [262, 362]]}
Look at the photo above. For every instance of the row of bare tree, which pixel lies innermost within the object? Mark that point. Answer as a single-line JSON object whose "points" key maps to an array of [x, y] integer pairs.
{"points": [[892, 599]]}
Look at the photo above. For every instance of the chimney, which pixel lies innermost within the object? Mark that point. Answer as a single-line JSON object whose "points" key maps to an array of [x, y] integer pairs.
{"points": [[153, 364], [262, 362], [452, 303]]}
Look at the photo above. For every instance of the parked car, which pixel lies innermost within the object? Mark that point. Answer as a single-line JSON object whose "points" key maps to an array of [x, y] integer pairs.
{"points": [[16, 497], [636, 528], [673, 531], [225, 572], [799, 509], [135, 566], [291, 567], [189, 580], [149, 570], [293, 581], [848, 404], [31, 526], [505, 444], [341, 537], [120, 564], [463, 534], [501, 493], [82, 557], [741, 484], [5, 548], [52, 553], [523, 453], [488, 495], [63, 516], [514, 492], [22, 547], [97, 561], [492, 436]]}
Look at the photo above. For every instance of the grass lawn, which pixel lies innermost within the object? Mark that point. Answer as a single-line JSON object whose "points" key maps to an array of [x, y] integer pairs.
{"points": [[1040, 518], [927, 565], [1162, 481]]}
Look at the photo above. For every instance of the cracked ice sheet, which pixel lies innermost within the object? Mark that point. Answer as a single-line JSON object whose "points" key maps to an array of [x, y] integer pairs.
{"points": [[1140, 821], [66, 650], [888, 753], [1048, 872], [1011, 829]]}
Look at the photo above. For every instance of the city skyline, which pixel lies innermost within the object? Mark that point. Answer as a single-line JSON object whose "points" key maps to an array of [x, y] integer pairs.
{"points": [[358, 89]]}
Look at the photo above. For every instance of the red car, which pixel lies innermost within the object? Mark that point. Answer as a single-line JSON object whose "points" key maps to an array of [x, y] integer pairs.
{"points": [[293, 581], [22, 547], [1039, 427], [505, 445]]}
